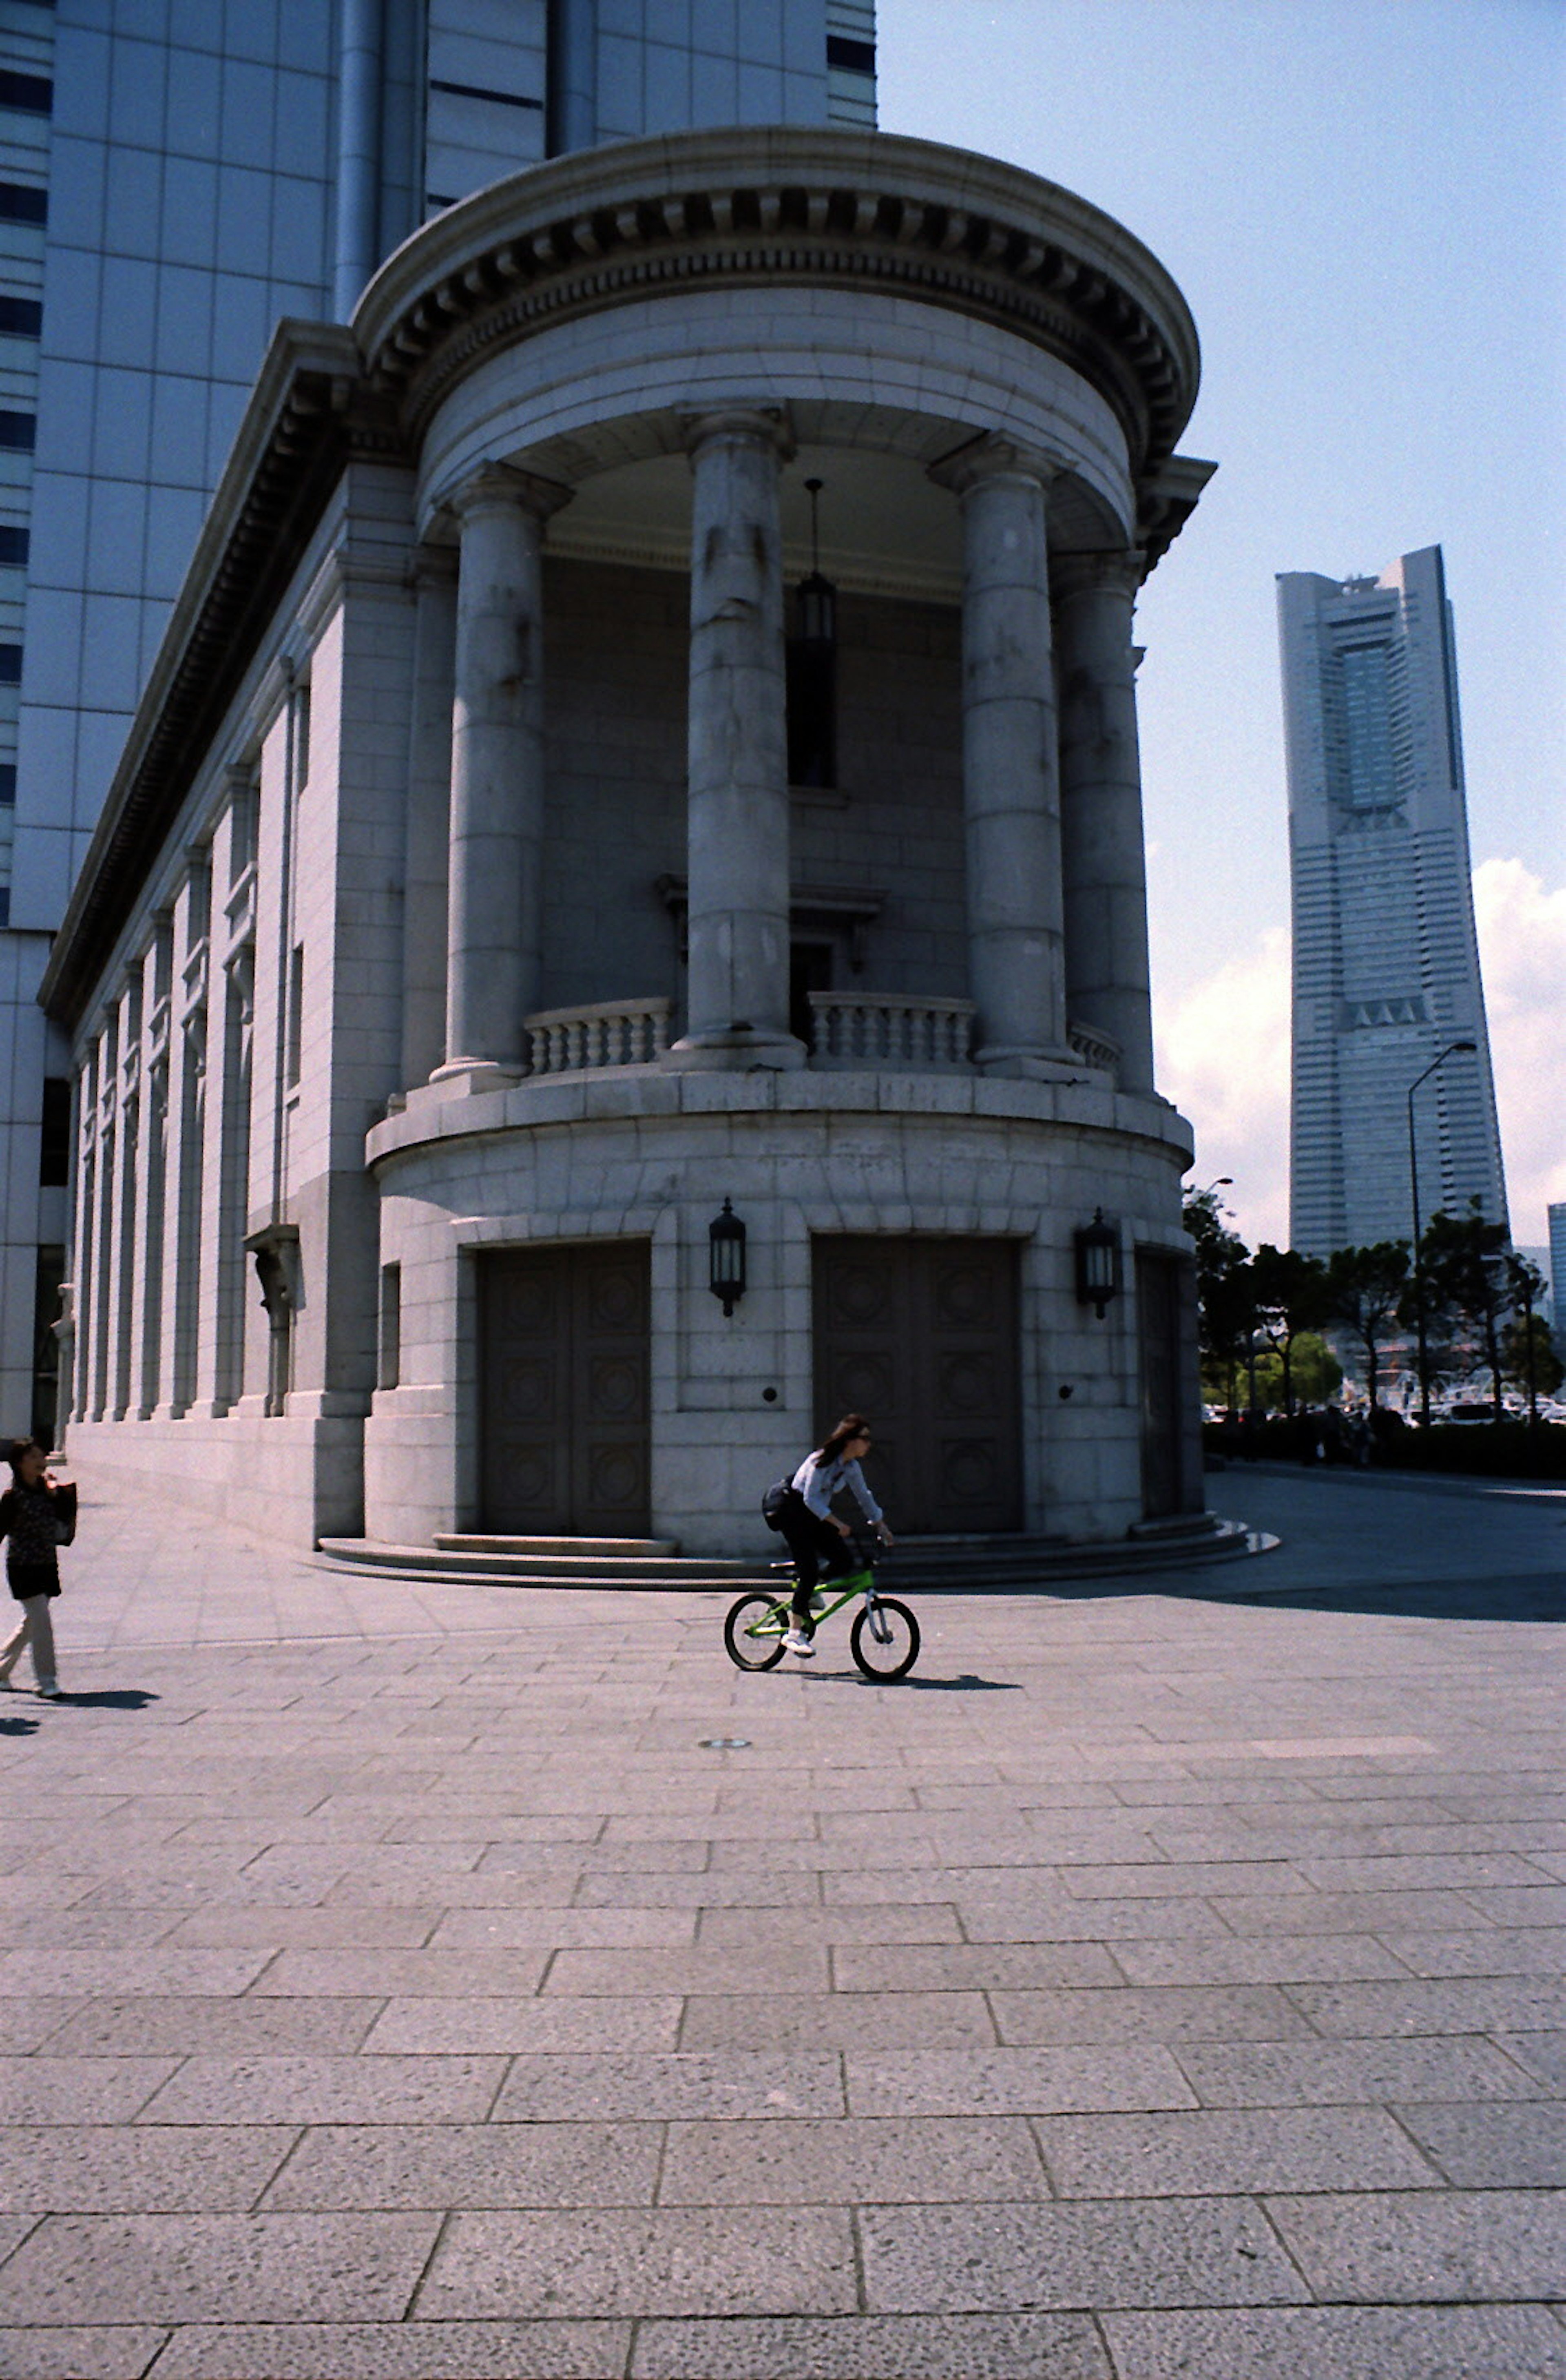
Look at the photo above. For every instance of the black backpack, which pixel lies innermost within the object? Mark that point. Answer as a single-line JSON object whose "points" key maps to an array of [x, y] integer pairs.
{"points": [[774, 1502]]}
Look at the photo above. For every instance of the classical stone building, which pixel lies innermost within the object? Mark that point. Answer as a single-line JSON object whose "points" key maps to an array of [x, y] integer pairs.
{"points": [[535, 849]]}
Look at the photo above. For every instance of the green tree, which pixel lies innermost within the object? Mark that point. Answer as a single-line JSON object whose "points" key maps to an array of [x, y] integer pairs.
{"points": [[1526, 1349], [1314, 1372], [1463, 1259], [1289, 1290], [1363, 1290], [1225, 1301]]}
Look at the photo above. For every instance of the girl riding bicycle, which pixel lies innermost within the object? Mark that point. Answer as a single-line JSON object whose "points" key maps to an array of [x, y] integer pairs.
{"points": [[819, 1541]]}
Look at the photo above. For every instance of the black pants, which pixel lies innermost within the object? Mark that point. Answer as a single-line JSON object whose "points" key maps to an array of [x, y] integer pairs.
{"points": [[818, 1551]]}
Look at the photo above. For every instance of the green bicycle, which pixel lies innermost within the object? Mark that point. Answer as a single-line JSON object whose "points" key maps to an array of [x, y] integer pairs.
{"points": [[884, 1638]]}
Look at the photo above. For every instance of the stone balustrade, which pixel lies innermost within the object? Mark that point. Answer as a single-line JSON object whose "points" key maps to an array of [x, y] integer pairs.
{"points": [[892, 1028], [1095, 1048], [601, 1033]]}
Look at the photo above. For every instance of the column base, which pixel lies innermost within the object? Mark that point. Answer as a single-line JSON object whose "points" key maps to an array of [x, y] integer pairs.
{"points": [[467, 1077], [742, 1049], [1032, 1064]]}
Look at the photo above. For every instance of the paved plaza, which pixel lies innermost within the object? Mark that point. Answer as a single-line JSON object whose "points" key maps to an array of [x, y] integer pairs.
{"points": [[1165, 1981]]}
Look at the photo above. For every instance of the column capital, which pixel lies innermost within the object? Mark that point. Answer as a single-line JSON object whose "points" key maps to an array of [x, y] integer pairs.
{"points": [[1118, 570], [496, 486], [762, 425], [432, 566], [990, 458]]}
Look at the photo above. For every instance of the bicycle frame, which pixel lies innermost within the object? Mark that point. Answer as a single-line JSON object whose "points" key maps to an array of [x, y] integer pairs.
{"points": [[777, 1622]]}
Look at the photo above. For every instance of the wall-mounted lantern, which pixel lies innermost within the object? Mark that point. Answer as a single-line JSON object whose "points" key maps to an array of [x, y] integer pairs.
{"points": [[1098, 1263], [725, 1257]]}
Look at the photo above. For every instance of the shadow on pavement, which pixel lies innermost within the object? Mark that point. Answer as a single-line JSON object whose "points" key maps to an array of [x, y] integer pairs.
{"points": [[17, 1723], [1512, 1599], [112, 1698], [965, 1684]]}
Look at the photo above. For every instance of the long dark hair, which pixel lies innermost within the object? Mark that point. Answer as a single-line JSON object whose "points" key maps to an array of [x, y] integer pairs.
{"points": [[851, 1427]]}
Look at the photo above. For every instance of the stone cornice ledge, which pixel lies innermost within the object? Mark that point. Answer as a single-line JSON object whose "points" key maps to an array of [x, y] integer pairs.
{"points": [[650, 1096], [604, 225]]}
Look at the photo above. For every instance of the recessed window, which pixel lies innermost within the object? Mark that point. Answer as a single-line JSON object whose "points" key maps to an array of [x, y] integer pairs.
{"points": [[18, 431], [21, 317], [31, 94], [301, 734], [295, 1020], [388, 1366], [853, 57], [7, 784], [10, 664], [55, 1142], [14, 545], [19, 203]]}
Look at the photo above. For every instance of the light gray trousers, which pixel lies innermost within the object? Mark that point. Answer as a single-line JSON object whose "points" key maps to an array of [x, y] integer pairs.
{"points": [[37, 1629]]}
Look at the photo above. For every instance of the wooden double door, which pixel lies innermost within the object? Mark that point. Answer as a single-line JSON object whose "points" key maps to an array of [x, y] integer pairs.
{"points": [[921, 1336], [565, 1343]]}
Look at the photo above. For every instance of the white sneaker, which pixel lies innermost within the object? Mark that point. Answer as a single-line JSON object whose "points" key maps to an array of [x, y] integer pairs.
{"points": [[797, 1642]]}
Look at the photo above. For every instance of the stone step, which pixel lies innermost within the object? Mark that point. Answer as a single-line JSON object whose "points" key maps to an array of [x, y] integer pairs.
{"points": [[969, 1564], [613, 1549]]}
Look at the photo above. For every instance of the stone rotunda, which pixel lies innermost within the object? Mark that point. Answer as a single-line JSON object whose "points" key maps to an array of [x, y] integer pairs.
{"points": [[640, 799]]}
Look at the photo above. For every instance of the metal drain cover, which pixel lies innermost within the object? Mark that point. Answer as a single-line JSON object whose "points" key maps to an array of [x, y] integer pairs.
{"points": [[723, 1743]]}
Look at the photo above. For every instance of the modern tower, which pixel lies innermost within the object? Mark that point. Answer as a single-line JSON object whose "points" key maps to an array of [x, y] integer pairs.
{"points": [[173, 180], [1385, 957]]}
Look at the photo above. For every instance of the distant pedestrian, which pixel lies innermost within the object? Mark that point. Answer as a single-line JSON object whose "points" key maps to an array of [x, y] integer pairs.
{"points": [[37, 1517]]}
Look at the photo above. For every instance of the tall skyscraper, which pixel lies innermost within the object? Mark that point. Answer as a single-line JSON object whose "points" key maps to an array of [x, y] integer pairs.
{"points": [[1558, 1268], [173, 180], [1385, 957]]}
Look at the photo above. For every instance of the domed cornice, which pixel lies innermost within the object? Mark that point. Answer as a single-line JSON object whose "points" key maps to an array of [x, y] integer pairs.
{"points": [[606, 227]]}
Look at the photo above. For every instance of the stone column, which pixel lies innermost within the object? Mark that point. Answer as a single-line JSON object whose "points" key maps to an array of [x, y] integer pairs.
{"points": [[146, 1312], [427, 818], [182, 1192], [1102, 852], [123, 1245], [1011, 798], [84, 1303], [737, 802], [497, 778]]}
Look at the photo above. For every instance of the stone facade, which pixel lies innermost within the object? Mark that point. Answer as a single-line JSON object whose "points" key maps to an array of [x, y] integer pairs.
{"points": [[453, 897]]}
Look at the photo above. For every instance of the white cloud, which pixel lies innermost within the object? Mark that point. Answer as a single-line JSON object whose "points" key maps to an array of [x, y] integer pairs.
{"points": [[1522, 952], [1224, 1057]]}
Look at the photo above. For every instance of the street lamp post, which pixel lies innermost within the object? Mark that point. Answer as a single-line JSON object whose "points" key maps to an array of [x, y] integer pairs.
{"points": [[1449, 1052]]}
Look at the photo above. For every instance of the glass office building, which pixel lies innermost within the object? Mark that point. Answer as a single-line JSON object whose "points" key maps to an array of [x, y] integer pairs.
{"points": [[1386, 961]]}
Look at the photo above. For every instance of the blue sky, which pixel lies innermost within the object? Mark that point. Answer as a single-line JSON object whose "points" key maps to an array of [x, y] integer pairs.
{"points": [[1364, 203]]}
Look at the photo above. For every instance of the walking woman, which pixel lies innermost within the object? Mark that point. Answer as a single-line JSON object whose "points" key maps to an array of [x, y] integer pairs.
{"points": [[815, 1536], [38, 1516]]}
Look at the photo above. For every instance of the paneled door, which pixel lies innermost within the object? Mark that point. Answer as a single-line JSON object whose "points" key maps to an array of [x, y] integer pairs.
{"points": [[1168, 1397], [921, 1336], [565, 1343]]}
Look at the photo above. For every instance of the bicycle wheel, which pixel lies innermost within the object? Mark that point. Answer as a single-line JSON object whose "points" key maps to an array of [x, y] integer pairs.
{"points": [[885, 1657], [745, 1647]]}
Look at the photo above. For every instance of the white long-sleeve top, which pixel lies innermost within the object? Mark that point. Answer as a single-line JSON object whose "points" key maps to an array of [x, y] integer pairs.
{"points": [[819, 1482]]}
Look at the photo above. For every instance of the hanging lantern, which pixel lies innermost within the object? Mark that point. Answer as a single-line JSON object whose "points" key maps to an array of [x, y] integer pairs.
{"points": [[812, 669], [725, 1257]]}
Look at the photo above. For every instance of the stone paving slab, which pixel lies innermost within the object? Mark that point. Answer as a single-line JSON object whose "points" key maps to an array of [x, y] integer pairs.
{"points": [[1462, 2245], [1163, 1982], [874, 2346], [558, 2350], [1133, 2252], [1340, 2343], [449, 2166], [181, 2267], [668, 2260]]}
